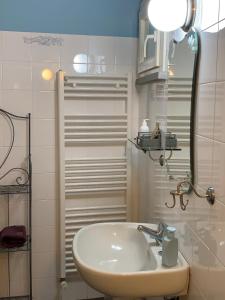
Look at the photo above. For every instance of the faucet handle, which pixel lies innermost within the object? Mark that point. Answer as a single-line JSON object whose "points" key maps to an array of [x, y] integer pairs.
{"points": [[162, 227]]}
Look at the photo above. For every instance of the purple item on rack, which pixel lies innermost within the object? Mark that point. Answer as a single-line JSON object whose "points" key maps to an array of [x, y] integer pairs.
{"points": [[13, 236]]}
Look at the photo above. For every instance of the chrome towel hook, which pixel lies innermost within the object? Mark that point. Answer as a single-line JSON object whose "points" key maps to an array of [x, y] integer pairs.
{"points": [[209, 195]]}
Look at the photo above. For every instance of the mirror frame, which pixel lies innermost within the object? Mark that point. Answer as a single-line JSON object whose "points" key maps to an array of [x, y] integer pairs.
{"points": [[174, 39], [194, 105]]}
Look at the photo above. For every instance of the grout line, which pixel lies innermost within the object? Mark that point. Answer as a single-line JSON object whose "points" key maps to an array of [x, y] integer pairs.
{"points": [[204, 137], [207, 83], [212, 25]]}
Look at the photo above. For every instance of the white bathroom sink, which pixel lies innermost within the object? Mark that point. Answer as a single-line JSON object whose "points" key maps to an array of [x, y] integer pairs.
{"points": [[118, 260]]}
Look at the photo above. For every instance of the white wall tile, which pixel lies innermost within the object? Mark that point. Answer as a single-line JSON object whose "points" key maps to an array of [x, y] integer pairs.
{"points": [[44, 186], [44, 104], [221, 56], [126, 51], [201, 261], [45, 288], [44, 159], [102, 50], [92, 293], [16, 76], [210, 13], [221, 25], [18, 206], [44, 264], [217, 279], [44, 239], [73, 46], [1, 75], [45, 53], [204, 162], [219, 133], [208, 57], [194, 293], [19, 282], [47, 210], [76, 290], [4, 285], [124, 69], [38, 82], [185, 240], [219, 170], [200, 224], [74, 69], [14, 48], [17, 159], [17, 101], [205, 103], [43, 132], [3, 125], [215, 241], [1, 45], [20, 129], [3, 212], [95, 69], [222, 10]]}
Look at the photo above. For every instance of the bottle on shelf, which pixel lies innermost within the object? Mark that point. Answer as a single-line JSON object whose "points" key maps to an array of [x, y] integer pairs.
{"points": [[144, 127]]}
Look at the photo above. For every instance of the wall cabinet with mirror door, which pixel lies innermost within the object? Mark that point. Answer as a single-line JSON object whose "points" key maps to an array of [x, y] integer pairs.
{"points": [[152, 49]]}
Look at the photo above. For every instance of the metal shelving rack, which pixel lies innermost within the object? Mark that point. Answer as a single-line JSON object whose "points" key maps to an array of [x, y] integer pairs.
{"points": [[22, 186]]}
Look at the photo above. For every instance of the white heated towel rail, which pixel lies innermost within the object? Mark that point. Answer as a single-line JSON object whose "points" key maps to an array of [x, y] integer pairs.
{"points": [[93, 114]]}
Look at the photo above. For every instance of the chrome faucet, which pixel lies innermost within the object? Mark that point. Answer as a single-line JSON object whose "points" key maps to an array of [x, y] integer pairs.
{"points": [[155, 234]]}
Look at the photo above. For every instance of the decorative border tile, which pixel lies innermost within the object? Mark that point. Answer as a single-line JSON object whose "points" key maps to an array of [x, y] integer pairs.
{"points": [[44, 40]]}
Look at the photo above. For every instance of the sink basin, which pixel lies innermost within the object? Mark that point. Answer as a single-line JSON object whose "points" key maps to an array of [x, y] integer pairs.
{"points": [[119, 261]]}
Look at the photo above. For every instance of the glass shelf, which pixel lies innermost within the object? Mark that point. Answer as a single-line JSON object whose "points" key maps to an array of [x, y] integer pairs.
{"points": [[159, 149], [14, 189], [145, 149], [26, 247], [16, 298]]}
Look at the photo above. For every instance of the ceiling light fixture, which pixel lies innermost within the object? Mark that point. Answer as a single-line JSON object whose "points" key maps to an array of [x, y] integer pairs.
{"points": [[170, 15]]}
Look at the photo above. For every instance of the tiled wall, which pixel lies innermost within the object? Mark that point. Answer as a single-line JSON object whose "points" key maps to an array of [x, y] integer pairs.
{"points": [[23, 90], [201, 228]]}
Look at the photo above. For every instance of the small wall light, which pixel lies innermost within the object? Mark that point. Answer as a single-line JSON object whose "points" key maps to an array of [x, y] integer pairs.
{"points": [[80, 63], [170, 15], [47, 74]]}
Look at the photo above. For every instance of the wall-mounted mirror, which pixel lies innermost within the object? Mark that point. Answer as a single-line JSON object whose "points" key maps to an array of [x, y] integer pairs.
{"points": [[182, 72]]}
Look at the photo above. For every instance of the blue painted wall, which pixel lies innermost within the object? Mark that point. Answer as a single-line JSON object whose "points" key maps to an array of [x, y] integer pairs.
{"points": [[89, 17]]}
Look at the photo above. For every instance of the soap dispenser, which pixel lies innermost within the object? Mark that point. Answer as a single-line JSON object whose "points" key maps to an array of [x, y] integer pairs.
{"points": [[144, 127], [169, 248]]}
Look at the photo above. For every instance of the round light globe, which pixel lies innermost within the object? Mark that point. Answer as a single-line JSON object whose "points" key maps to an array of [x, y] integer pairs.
{"points": [[167, 15], [47, 74]]}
